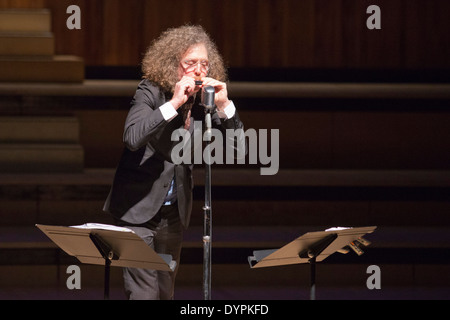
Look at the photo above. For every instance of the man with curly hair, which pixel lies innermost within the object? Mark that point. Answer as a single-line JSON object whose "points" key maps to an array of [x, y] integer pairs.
{"points": [[150, 194]]}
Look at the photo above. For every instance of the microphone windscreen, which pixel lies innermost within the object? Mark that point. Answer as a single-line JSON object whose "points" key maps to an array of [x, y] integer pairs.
{"points": [[208, 97]]}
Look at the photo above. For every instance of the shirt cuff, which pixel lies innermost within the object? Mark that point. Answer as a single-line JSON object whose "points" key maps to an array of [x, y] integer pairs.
{"points": [[228, 112], [168, 111]]}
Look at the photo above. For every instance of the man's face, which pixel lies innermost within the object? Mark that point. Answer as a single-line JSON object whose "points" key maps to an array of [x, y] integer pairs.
{"points": [[194, 62]]}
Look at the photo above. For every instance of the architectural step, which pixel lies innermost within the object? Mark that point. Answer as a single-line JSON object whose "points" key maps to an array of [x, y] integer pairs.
{"points": [[415, 258], [59, 68], [28, 206], [241, 197], [27, 44], [230, 177], [39, 130], [25, 20], [240, 89], [43, 158], [235, 277], [246, 239]]}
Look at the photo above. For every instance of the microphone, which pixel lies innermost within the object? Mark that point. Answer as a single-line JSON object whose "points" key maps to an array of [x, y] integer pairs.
{"points": [[208, 97]]}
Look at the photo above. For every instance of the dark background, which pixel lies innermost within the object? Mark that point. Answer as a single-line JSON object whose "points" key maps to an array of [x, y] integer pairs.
{"points": [[382, 157]]}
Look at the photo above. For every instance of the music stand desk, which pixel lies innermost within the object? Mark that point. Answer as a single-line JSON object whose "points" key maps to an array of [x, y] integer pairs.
{"points": [[310, 248], [108, 248]]}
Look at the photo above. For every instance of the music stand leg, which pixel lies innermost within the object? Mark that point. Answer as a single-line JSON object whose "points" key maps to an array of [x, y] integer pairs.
{"points": [[312, 252], [107, 254], [107, 277], [312, 293]]}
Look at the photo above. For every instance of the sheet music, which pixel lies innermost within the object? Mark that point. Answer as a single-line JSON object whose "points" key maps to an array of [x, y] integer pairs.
{"points": [[102, 227], [337, 228]]}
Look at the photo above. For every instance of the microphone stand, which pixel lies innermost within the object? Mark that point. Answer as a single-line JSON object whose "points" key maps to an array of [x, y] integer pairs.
{"points": [[208, 102], [207, 224]]}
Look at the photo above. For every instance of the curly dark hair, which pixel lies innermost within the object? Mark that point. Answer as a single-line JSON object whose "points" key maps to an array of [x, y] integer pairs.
{"points": [[162, 58]]}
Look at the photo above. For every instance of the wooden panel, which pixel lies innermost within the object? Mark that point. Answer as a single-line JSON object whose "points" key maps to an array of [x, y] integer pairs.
{"points": [[101, 136], [391, 140], [261, 33], [340, 140]]}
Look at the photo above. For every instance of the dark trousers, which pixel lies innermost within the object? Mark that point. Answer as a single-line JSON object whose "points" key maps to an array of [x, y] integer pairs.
{"points": [[164, 234]]}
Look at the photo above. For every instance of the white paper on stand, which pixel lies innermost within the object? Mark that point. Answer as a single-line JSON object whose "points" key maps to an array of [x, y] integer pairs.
{"points": [[337, 228], [102, 227]]}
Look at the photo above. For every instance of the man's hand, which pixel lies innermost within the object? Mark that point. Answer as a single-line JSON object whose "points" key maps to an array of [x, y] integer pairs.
{"points": [[221, 93], [183, 90]]}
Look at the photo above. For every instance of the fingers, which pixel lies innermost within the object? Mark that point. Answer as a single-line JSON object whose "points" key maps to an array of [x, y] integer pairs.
{"points": [[182, 91], [187, 85], [218, 85], [221, 96]]}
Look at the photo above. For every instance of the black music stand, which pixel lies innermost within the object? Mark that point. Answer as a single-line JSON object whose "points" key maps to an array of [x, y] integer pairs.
{"points": [[109, 246], [312, 247]]}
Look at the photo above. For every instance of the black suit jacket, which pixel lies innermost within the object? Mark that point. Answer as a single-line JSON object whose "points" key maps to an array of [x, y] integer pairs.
{"points": [[146, 169]]}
